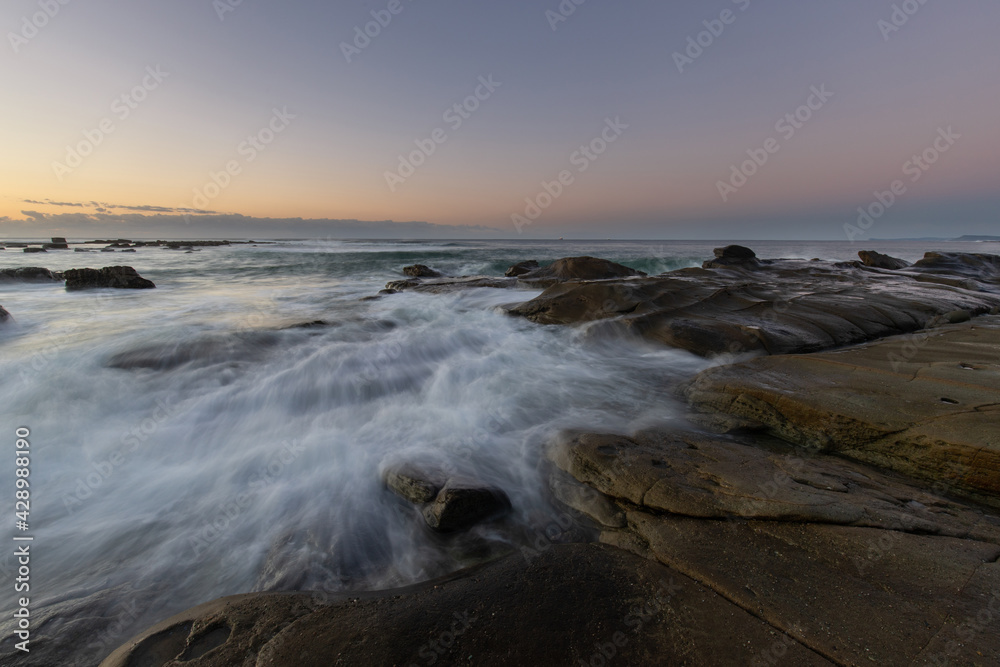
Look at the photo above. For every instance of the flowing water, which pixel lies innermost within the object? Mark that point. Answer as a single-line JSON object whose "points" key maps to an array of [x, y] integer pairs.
{"points": [[186, 444]]}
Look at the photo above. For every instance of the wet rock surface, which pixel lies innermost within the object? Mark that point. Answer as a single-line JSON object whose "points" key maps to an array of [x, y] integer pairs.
{"points": [[576, 268], [769, 307], [421, 271], [120, 277]]}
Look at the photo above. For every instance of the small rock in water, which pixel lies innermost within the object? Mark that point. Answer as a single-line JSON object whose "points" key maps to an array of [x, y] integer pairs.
{"points": [[415, 483], [462, 506], [28, 274], [449, 503], [521, 268], [421, 271], [4, 316], [34, 250], [121, 277], [879, 261], [731, 255]]}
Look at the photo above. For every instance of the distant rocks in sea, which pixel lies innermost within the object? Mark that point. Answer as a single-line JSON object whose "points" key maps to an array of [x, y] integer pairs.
{"points": [[121, 277], [421, 271], [879, 261], [448, 502], [29, 274], [732, 255]]}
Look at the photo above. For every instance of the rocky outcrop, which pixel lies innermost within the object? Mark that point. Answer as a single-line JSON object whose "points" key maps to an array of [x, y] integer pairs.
{"points": [[879, 261], [773, 307], [925, 405], [446, 285], [973, 271], [521, 268], [855, 565], [448, 502], [30, 274], [421, 271], [566, 605], [121, 277], [732, 255], [576, 268]]}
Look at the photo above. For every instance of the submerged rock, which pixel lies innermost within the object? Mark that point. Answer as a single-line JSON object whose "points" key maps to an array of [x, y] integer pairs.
{"points": [[5, 316], [121, 277], [879, 261], [421, 271], [445, 285]]}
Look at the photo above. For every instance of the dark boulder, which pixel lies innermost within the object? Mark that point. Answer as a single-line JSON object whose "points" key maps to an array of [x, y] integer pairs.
{"points": [[34, 250], [28, 274], [879, 261], [448, 502], [459, 506], [522, 268], [576, 269], [421, 271], [121, 277], [732, 255]]}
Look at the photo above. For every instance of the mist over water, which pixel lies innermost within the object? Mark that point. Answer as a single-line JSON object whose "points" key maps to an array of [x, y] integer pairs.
{"points": [[187, 445]]}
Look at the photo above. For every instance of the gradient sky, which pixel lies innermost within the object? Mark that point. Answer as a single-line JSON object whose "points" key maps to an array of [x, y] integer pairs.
{"points": [[892, 93]]}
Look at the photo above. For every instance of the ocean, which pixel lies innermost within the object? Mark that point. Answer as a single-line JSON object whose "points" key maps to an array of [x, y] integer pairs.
{"points": [[187, 444]]}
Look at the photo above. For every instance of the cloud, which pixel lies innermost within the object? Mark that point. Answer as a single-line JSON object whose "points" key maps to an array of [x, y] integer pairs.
{"points": [[103, 207]]}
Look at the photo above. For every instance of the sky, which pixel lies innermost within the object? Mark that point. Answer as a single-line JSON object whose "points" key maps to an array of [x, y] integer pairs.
{"points": [[776, 119]]}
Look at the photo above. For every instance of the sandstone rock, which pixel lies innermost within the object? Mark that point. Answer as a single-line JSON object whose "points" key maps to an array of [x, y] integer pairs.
{"points": [[577, 268], [521, 268], [879, 261], [421, 271], [29, 274], [563, 606], [709, 477], [925, 405], [121, 277]]}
